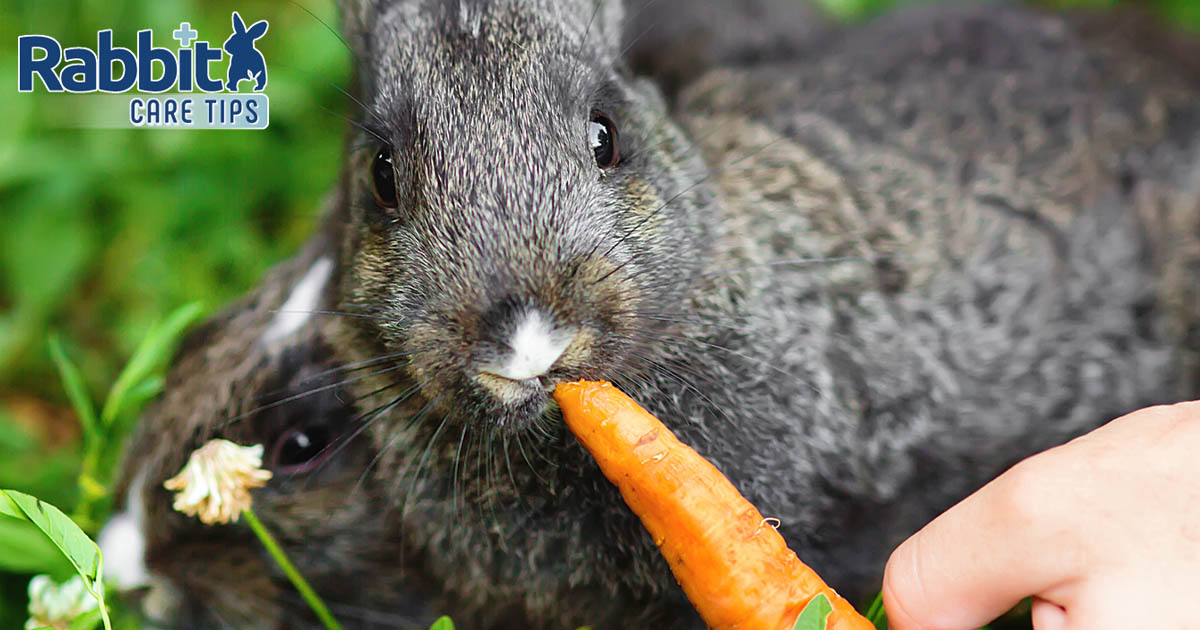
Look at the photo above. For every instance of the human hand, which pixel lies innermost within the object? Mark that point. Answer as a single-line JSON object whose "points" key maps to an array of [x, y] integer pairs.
{"points": [[1103, 532]]}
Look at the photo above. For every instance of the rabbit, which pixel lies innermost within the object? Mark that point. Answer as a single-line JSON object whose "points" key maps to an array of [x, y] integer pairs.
{"points": [[257, 374], [246, 63], [862, 281]]}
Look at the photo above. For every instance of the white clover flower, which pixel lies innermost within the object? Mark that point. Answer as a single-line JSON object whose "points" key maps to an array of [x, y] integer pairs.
{"points": [[52, 605], [215, 484]]}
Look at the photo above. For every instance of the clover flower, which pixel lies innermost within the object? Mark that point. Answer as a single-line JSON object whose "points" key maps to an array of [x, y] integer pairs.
{"points": [[53, 605], [216, 482]]}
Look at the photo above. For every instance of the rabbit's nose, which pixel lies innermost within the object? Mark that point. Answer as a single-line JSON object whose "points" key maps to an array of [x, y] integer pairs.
{"points": [[534, 345]]}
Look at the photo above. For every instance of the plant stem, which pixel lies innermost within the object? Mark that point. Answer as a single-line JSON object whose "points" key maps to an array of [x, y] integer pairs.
{"points": [[306, 591], [90, 490]]}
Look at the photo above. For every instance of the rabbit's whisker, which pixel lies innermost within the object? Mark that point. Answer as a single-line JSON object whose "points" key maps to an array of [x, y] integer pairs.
{"points": [[315, 390], [454, 479], [373, 416], [491, 476], [339, 313], [420, 462], [529, 465], [587, 29], [794, 262], [371, 114], [741, 355], [637, 38], [666, 370], [653, 213], [363, 422], [348, 368], [329, 28]]}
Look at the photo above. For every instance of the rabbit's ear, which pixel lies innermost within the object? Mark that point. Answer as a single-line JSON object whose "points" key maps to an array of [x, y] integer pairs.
{"points": [[258, 29], [239, 26]]}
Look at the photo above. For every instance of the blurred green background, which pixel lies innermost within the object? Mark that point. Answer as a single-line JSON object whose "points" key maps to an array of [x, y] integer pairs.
{"points": [[102, 232]]}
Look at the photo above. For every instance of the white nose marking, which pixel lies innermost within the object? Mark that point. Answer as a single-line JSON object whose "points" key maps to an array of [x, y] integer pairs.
{"points": [[123, 544], [536, 345]]}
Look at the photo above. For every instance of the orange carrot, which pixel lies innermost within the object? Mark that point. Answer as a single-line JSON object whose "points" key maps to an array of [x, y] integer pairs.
{"points": [[734, 567]]}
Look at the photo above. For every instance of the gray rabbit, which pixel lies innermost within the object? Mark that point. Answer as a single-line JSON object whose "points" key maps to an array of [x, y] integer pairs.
{"points": [[862, 281]]}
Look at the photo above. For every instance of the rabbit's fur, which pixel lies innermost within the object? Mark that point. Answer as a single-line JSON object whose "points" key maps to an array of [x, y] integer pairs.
{"points": [[998, 209]]}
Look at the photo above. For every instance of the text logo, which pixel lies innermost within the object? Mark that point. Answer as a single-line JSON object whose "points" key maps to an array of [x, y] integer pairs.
{"points": [[194, 67]]}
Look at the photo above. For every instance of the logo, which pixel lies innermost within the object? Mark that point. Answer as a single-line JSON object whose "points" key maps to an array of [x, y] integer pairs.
{"points": [[192, 98]]}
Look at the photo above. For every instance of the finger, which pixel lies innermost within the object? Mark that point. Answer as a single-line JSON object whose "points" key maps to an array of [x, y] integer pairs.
{"points": [[1047, 615], [1156, 596], [974, 562]]}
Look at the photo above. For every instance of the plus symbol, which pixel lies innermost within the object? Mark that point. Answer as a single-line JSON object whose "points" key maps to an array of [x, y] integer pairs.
{"points": [[185, 34]]}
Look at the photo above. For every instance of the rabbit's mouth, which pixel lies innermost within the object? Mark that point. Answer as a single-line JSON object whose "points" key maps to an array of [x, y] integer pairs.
{"points": [[500, 374], [521, 403], [510, 391], [512, 378]]}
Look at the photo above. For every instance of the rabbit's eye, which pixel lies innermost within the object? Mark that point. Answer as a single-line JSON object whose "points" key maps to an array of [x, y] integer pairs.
{"points": [[300, 450], [383, 178], [602, 138]]}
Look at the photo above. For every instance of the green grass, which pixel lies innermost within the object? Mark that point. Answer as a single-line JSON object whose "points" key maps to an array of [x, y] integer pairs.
{"points": [[104, 232]]}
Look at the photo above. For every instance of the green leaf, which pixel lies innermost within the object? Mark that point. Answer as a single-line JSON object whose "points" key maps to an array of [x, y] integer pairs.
{"points": [[83, 554], [87, 621], [150, 353], [143, 392], [76, 390], [442, 623], [24, 549], [815, 612], [876, 614], [9, 508]]}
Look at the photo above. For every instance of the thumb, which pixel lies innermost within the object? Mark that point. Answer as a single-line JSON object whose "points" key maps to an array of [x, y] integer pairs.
{"points": [[978, 559]]}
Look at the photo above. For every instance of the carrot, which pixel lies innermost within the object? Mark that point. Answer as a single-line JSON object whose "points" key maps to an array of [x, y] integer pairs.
{"points": [[731, 563]]}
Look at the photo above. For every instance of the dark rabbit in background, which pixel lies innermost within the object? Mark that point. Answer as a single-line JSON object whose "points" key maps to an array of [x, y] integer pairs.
{"points": [[862, 279], [246, 63], [255, 375]]}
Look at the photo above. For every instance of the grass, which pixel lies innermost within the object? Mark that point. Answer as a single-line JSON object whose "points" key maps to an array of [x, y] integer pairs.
{"points": [[104, 232]]}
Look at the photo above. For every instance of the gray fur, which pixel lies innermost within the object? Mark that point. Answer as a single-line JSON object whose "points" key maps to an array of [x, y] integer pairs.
{"points": [[1002, 206], [677, 41]]}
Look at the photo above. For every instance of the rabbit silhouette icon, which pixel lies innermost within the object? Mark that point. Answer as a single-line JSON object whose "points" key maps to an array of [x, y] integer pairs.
{"points": [[246, 63]]}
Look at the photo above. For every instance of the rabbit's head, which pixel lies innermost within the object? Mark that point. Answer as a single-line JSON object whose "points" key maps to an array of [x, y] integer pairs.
{"points": [[520, 211], [241, 40]]}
